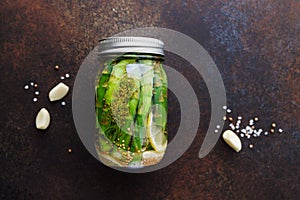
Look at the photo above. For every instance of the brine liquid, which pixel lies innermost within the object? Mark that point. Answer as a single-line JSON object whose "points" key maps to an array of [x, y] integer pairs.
{"points": [[131, 111]]}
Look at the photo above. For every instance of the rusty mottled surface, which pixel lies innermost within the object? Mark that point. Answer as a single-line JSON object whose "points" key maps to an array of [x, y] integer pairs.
{"points": [[256, 46]]}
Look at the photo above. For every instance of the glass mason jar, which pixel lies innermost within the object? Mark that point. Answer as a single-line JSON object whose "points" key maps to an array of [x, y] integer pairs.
{"points": [[131, 102]]}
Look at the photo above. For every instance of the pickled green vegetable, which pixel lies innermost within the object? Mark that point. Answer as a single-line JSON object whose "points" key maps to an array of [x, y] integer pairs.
{"points": [[131, 109]]}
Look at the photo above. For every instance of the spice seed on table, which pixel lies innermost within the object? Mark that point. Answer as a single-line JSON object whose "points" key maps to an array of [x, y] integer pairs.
{"points": [[266, 133]]}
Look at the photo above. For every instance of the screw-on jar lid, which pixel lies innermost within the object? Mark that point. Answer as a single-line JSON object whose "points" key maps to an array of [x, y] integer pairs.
{"points": [[115, 45]]}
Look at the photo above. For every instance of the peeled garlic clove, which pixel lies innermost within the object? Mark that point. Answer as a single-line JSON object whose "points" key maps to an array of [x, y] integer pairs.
{"points": [[42, 119], [58, 92], [232, 140]]}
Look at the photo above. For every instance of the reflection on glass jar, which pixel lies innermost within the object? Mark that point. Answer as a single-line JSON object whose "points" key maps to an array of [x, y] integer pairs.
{"points": [[131, 102]]}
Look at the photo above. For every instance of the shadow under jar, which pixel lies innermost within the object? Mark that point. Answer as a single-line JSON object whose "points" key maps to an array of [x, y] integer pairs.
{"points": [[131, 102]]}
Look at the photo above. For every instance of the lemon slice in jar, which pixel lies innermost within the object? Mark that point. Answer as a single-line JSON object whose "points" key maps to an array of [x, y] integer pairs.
{"points": [[156, 135], [110, 161], [151, 158]]}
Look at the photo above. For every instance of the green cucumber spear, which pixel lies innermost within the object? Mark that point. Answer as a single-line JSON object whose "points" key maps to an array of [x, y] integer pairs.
{"points": [[124, 105], [104, 111], [145, 100], [160, 96], [121, 99]]}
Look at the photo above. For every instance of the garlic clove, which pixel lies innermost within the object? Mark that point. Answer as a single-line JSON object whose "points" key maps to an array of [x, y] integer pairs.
{"points": [[58, 92], [232, 140], [42, 119]]}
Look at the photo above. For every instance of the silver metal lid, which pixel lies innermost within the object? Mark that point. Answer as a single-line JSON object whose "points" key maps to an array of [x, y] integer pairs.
{"points": [[116, 45]]}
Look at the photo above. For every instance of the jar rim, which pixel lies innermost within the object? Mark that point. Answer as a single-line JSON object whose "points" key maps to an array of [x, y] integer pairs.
{"points": [[113, 45]]}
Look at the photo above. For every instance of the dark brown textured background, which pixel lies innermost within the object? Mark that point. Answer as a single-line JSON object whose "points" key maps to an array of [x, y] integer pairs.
{"points": [[256, 46]]}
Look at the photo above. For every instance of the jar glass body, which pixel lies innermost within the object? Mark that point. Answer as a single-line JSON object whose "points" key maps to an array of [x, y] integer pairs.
{"points": [[131, 110]]}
